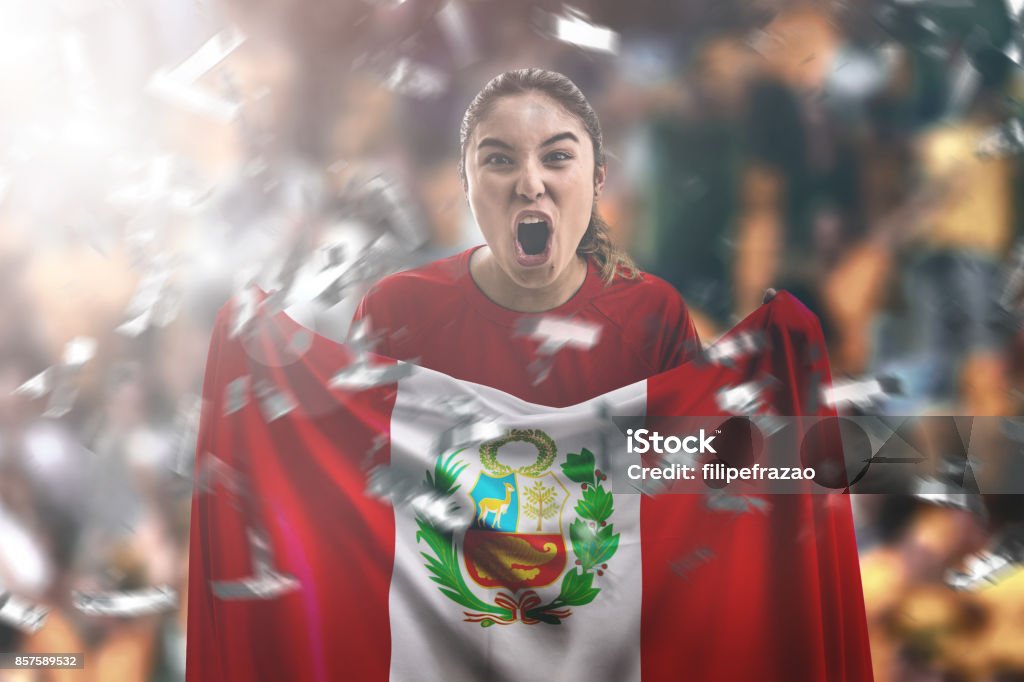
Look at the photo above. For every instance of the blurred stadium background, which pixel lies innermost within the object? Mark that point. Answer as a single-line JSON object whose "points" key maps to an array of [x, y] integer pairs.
{"points": [[157, 155]]}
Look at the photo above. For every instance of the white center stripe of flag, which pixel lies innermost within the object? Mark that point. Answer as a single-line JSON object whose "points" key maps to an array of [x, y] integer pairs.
{"points": [[430, 636]]}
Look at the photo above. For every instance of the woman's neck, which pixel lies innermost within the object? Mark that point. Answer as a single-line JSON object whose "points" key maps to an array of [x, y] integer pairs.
{"points": [[503, 290]]}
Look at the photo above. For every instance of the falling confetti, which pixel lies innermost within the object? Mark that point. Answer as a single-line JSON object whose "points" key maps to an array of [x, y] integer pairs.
{"points": [[1003, 558], [179, 86], [744, 399], [862, 393], [20, 614], [265, 583], [685, 565], [1002, 141], [38, 386], [58, 381], [128, 603], [733, 347], [575, 28], [556, 333], [416, 80], [362, 376], [274, 403], [236, 395]]}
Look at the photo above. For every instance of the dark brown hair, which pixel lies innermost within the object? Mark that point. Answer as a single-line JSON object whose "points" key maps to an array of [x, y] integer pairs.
{"points": [[597, 242]]}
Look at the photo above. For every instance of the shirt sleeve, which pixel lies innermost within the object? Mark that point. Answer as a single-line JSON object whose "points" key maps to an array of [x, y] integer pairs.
{"points": [[682, 343], [378, 327]]}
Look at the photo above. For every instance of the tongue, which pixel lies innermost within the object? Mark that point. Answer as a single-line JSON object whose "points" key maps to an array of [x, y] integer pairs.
{"points": [[533, 237]]}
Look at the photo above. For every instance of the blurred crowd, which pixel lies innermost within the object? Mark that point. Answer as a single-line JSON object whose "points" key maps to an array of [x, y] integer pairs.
{"points": [[156, 156]]}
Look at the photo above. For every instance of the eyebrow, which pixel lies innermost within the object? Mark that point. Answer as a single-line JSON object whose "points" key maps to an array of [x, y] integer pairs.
{"points": [[494, 142]]}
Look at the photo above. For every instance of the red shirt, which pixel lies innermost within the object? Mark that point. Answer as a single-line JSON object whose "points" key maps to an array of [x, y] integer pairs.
{"points": [[437, 317]]}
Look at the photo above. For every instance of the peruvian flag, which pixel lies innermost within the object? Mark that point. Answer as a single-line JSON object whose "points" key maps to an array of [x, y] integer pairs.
{"points": [[360, 519]]}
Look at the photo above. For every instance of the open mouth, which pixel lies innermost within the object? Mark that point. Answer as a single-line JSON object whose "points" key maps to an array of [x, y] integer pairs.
{"points": [[533, 241]]}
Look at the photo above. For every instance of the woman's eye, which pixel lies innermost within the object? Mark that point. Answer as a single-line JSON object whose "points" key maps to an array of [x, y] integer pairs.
{"points": [[559, 156], [497, 160]]}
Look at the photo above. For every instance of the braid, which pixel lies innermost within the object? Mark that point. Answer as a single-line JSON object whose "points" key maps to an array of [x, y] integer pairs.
{"points": [[597, 244]]}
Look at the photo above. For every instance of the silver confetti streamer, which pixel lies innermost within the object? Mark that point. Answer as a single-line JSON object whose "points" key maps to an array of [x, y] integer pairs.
{"points": [[733, 347], [244, 311], [404, 489], [981, 570], [62, 399], [947, 494], [744, 399], [78, 351], [441, 512], [127, 603], [286, 274], [555, 333], [416, 80], [191, 97], [186, 424], [333, 284], [146, 298], [1002, 559], [862, 393], [386, 204], [456, 28], [360, 340], [167, 307], [540, 369], [332, 254], [134, 327], [213, 52], [20, 614], [385, 483], [362, 376], [574, 27], [1002, 141], [263, 586], [379, 441], [236, 395], [274, 404], [265, 583], [214, 471], [685, 565], [179, 86], [57, 380], [37, 386]]}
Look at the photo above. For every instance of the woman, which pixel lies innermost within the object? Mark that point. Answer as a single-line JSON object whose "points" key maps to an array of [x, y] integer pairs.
{"points": [[532, 166]]}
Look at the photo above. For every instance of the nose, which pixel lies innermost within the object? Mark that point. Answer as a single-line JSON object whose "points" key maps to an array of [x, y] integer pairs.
{"points": [[530, 183]]}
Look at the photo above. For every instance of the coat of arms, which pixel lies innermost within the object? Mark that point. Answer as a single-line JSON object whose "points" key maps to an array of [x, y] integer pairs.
{"points": [[517, 541]]}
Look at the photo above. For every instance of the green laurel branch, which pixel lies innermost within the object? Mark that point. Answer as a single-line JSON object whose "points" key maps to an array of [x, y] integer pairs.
{"points": [[592, 545], [443, 564]]}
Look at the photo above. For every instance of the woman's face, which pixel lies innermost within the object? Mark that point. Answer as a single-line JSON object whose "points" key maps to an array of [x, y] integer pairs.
{"points": [[531, 183]]}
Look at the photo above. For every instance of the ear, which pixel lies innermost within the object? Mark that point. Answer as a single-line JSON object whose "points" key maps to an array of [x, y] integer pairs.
{"points": [[600, 175]]}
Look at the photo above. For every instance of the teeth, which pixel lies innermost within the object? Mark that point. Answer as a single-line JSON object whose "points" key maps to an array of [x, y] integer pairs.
{"points": [[530, 219]]}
